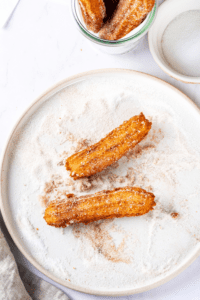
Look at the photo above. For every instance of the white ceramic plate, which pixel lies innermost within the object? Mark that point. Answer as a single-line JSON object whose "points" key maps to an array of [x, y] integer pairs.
{"points": [[149, 92]]}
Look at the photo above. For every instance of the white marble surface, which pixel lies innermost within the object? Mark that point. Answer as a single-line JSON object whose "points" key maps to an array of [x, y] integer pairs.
{"points": [[40, 46]]}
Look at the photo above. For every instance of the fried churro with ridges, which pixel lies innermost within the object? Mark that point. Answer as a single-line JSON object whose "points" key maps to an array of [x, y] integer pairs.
{"points": [[127, 16], [118, 203], [93, 12], [99, 156]]}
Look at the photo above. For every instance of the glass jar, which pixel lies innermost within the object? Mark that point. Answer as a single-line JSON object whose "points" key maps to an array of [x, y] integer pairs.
{"points": [[121, 46]]}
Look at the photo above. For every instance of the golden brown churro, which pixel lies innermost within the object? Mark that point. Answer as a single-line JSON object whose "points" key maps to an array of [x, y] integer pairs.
{"points": [[118, 203], [99, 156], [93, 12], [127, 16]]}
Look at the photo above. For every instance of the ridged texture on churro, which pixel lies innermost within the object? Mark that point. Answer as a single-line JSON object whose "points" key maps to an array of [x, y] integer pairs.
{"points": [[93, 12], [127, 16], [108, 150], [118, 203]]}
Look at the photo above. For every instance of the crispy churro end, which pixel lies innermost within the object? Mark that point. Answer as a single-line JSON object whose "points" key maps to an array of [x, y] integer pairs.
{"points": [[93, 12], [128, 15]]}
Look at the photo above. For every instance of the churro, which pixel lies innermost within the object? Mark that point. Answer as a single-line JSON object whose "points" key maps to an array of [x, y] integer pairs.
{"points": [[108, 150], [118, 203], [93, 12], [127, 16]]}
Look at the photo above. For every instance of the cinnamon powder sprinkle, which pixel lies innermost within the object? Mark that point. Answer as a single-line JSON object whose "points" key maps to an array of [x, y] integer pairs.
{"points": [[102, 242], [174, 215]]}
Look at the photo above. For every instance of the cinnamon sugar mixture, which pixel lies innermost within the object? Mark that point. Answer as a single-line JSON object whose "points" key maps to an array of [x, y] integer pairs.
{"points": [[115, 254], [58, 187], [97, 234]]}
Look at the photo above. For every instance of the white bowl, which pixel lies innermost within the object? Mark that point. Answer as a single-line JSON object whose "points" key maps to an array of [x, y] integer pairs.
{"points": [[169, 10]]}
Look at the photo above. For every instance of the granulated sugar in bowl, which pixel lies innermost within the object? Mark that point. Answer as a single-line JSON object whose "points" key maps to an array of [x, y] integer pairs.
{"points": [[175, 39], [181, 43]]}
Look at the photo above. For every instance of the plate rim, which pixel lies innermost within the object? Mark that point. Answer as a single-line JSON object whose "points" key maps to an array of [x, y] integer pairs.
{"points": [[53, 89]]}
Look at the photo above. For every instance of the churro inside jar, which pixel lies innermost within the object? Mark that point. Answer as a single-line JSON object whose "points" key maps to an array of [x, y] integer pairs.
{"points": [[114, 19]]}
